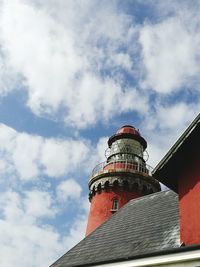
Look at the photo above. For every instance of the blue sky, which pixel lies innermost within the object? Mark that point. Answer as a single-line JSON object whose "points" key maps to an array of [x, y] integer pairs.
{"points": [[72, 73]]}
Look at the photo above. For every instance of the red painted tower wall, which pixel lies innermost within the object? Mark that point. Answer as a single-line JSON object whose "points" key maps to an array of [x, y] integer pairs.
{"points": [[189, 201], [101, 206]]}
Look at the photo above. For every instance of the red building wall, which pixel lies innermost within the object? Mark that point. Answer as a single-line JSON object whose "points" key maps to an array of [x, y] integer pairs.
{"points": [[189, 202], [101, 206]]}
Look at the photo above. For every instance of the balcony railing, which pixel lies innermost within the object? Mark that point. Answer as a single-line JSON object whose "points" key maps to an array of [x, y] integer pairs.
{"points": [[126, 165]]}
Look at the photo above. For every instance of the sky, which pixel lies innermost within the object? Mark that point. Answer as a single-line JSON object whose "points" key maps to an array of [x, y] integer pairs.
{"points": [[71, 73]]}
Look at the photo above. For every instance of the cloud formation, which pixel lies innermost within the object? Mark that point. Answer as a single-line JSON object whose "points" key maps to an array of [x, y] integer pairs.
{"points": [[24, 241], [31, 156], [61, 61], [170, 50], [82, 68], [31, 199], [84, 63], [68, 190]]}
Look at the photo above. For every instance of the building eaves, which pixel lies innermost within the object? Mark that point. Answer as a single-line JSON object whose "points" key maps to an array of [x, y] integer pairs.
{"points": [[170, 167], [173, 256], [177, 145]]}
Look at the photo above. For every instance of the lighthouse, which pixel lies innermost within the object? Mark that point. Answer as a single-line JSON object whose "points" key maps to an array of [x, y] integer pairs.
{"points": [[123, 176]]}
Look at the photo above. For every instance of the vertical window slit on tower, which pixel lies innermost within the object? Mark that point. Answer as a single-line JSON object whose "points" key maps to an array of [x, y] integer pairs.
{"points": [[115, 204]]}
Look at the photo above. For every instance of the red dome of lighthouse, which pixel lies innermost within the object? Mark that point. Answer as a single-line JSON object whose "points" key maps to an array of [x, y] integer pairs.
{"points": [[128, 131]]}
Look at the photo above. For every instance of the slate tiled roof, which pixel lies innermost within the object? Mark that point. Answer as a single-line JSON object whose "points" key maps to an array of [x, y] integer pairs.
{"points": [[145, 225]]}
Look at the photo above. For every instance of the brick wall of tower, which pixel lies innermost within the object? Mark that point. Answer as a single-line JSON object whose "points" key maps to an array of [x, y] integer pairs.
{"points": [[101, 206]]}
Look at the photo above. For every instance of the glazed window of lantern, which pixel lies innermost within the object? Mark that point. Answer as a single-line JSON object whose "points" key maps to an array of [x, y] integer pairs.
{"points": [[115, 204]]}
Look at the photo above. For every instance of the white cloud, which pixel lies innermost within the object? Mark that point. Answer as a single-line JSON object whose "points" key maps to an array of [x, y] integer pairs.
{"points": [[170, 54], [175, 116], [25, 155], [32, 205], [97, 154], [170, 117], [61, 56], [164, 126], [7, 135], [9, 79], [27, 236], [77, 232], [30, 156], [68, 190], [156, 152], [101, 99], [69, 50], [23, 241], [38, 204], [42, 52], [59, 157], [27, 245], [102, 145], [122, 60], [84, 205]]}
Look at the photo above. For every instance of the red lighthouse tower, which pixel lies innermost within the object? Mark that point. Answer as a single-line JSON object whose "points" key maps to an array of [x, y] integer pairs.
{"points": [[122, 177]]}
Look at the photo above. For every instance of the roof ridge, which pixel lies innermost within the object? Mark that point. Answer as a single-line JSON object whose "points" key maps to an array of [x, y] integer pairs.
{"points": [[150, 195]]}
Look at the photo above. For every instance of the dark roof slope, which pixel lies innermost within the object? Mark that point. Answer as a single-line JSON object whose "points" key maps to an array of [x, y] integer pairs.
{"points": [[145, 225]]}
